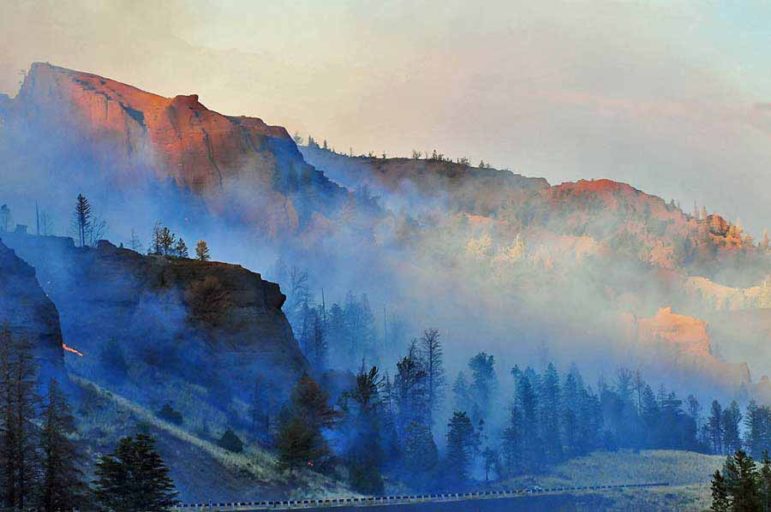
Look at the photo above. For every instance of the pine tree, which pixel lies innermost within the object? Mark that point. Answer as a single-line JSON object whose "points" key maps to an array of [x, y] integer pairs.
{"points": [[461, 448], [363, 423], [163, 242], [410, 391], [8, 462], [490, 462], [757, 423], [720, 500], [511, 446], [715, 427], [527, 403], [300, 441], [18, 401], [764, 481], [420, 453], [82, 218], [732, 418], [461, 392], [62, 485], [134, 478], [202, 251], [316, 342], [180, 249], [483, 383], [430, 349], [742, 483], [549, 405]]}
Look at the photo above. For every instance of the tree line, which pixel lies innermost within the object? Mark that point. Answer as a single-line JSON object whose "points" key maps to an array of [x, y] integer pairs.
{"points": [[388, 424], [41, 464], [87, 229]]}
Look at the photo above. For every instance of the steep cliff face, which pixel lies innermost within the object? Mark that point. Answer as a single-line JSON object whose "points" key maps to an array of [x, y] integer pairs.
{"points": [[686, 340], [29, 314], [211, 323], [133, 136]]}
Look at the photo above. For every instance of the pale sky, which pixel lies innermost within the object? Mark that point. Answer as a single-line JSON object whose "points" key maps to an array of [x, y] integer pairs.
{"points": [[672, 97]]}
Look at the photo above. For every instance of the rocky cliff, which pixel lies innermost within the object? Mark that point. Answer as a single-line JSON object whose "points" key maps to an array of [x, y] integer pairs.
{"points": [[29, 314], [214, 324], [132, 137], [686, 340]]}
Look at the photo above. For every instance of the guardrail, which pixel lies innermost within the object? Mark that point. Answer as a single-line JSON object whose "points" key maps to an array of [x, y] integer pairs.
{"points": [[365, 501]]}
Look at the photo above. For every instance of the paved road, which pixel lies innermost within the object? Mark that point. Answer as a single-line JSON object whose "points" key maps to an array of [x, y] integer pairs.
{"points": [[411, 502]]}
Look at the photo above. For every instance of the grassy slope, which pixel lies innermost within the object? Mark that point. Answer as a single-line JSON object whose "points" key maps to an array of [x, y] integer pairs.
{"points": [[202, 470], [688, 474]]}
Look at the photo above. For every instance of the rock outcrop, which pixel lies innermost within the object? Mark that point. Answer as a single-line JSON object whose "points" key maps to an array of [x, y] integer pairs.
{"points": [[204, 321], [684, 341], [29, 314], [134, 136]]}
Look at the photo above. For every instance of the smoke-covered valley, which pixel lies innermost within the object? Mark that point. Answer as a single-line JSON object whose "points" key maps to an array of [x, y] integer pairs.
{"points": [[370, 252], [494, 260]]}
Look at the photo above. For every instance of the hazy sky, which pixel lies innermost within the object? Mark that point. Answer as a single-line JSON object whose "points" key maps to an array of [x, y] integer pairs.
{"points": [[674, 99]]}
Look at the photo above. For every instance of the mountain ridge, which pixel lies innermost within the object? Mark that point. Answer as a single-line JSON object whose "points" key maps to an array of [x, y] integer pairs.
{"points": [[499, 233]]}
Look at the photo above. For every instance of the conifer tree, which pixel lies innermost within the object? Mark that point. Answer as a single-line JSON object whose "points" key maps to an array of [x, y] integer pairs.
{"points": [[363, 407], [570, 404], [420, 453], [512, 444], [764, 481], [62, 485], [134, 478], [483, 384], [82, 218], [461, 392], [715, 427], [430, 349], [527, 403], [202, 251], [18, 401], [410, 391], [731, 420], [180, 249], [740, 474], [300, 440], [720, 500], [462, 445], [549, 409]]}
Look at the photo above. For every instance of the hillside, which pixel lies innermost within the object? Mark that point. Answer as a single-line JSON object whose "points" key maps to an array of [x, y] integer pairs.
{"points": [[144, 332], [29, 315], [202, 471], [204, 328], [592, 250], [480, 253], [616, 215]]}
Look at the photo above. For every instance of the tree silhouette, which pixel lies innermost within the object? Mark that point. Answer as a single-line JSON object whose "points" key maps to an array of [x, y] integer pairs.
{"points": [[62, 484], [134, 478]]}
